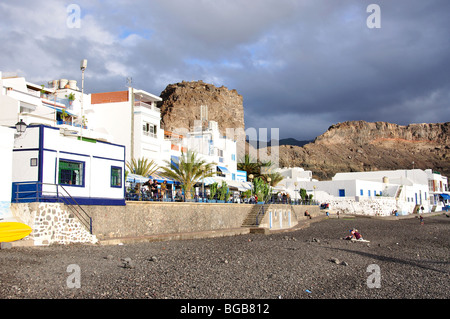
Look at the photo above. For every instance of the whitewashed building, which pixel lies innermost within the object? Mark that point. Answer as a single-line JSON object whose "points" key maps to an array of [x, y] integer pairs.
{"points": [[375, 192], [132, 118], [90, 172], [438, 189], [6, 150]]}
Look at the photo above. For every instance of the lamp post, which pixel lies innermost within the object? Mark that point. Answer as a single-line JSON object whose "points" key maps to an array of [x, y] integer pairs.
{"points": [[250, 177], [314, 192], [203, 184], [295, 191], [268, 182], [83, 66], [21, 127]]}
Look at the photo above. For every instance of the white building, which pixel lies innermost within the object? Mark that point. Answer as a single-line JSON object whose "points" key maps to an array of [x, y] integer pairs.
{"points": [[60, 105], [6, 150], [375, 192], [132, 119], [438, 189], [89, 172]]}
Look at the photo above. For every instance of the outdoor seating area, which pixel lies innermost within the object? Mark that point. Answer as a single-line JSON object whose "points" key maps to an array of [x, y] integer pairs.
{"points": [[165, 191]]}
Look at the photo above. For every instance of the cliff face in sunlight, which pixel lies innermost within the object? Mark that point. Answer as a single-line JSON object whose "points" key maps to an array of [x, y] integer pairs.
{"points": [[366, 146]]}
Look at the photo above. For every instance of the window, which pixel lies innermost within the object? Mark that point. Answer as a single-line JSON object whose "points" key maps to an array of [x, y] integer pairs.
{"points": [[233, 157], [174, 161], [71, 173], [368, 193], [342, 193], [149, 129], [116, 176], [361, 192]]}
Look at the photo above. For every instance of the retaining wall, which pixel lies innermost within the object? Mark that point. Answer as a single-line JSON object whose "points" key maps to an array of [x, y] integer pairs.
{"points": [[52, 223]]}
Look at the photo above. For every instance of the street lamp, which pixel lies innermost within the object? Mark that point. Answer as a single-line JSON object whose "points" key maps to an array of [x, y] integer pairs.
{"points": [[295, 191], [21, 127], [83, 66], [250, 177]]}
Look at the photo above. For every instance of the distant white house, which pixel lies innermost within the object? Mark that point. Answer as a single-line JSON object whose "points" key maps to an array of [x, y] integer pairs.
{"points": [[439, 189], [377, 192], [90, 171]]}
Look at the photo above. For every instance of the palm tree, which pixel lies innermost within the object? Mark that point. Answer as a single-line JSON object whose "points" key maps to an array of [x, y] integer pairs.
{"points": [[275, 178], [142, 166], [249, 165], [189, 171]]}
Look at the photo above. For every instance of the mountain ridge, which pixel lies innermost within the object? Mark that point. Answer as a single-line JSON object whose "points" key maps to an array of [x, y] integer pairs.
{"points": [[369, 146]]}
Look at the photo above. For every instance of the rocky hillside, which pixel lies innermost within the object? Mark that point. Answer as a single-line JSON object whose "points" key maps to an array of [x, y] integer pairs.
{"points": [[364, 146], [181, 105]]}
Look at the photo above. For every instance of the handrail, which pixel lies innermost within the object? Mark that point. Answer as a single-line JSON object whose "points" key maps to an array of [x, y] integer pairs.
{"points": [[59, 196], [261, 210]]}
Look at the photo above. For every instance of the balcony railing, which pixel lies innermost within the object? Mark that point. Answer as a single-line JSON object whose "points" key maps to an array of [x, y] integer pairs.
{"points": [[149, 134], [146, 105]]}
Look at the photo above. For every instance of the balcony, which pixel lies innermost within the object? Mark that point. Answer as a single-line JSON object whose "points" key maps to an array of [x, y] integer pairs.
{"points": [[147, 106], [150, 134]]}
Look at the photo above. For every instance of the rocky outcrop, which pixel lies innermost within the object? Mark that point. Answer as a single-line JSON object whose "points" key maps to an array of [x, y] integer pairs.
{"points": [[182, 101], [364, 146]]}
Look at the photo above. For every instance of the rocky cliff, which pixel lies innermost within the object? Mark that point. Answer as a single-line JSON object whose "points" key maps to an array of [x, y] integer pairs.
{"points": [[181, 105], [364, 146]]}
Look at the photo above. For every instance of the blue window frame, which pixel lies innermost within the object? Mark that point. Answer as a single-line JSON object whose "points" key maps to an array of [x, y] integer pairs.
{"points": [[342, 193], [71, 173], [116, 176]]}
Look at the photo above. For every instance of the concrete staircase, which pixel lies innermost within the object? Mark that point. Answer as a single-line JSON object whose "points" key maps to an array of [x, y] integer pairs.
{"points": [[250, 220]]}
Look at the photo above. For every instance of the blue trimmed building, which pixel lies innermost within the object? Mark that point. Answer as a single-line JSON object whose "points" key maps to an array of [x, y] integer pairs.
{"points": [[48, 165]]}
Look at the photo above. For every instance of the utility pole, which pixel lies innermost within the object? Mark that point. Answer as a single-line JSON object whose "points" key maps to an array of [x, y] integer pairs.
{"points": [[83, 67]]}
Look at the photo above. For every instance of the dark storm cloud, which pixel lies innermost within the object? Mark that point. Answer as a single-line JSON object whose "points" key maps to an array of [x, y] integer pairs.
{"points": [[300, 66]]}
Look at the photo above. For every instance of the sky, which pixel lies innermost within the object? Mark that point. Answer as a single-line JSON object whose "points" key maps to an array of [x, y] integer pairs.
{"points": [[300, 65]]}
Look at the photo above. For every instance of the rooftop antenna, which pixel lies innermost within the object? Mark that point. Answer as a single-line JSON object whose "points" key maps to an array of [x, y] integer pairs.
{"points": [[129, 81]]}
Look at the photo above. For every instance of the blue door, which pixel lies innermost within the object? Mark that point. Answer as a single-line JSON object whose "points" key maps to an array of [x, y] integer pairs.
{"points": [[342, 193]]}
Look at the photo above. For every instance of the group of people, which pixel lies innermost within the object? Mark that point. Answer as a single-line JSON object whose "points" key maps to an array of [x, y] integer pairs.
{"points": [[155, 190], [283, 198]]}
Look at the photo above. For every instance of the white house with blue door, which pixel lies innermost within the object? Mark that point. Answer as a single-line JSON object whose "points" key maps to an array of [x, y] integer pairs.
{"points": [[90, 171]]}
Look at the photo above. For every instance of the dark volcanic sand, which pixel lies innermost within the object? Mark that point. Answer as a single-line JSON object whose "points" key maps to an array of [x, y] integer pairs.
{"points": [[413, 260]]}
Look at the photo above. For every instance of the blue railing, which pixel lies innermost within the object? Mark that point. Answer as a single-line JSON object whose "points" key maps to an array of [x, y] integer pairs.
{"points": [[29, 192]]}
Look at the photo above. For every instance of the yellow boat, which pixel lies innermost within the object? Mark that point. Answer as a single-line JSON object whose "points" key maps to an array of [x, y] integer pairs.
{"points": [[12, 231]]}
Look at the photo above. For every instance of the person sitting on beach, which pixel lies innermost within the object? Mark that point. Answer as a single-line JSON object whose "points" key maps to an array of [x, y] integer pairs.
{"points": [[354, 235], [307, 214]]}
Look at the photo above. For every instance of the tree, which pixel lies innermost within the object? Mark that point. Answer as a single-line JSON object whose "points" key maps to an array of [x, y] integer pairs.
{"points": [[275, 178], [188, 171], [142, 166], [249, 165], [303, 194]]}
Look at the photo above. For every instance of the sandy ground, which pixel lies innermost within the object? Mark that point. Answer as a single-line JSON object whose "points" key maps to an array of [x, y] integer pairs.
{"points": [[403, 260]]}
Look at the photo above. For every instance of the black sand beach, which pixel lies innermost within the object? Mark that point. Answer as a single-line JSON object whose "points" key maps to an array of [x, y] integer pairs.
{"points": [[412, 262]]}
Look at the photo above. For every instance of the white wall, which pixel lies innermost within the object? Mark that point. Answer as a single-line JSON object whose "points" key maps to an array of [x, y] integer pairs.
{"points": [[97, 158], [6, 158]]}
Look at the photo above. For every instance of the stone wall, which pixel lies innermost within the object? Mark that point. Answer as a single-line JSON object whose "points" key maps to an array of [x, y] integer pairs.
{"points": [[378, 206], [152, 218], [52, 223]]}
